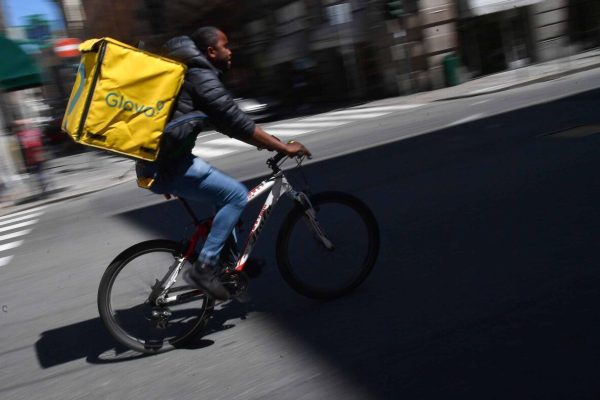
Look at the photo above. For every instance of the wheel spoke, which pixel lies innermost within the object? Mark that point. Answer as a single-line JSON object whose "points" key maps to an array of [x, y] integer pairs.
{"points": [[130, 293], [330, 252]]}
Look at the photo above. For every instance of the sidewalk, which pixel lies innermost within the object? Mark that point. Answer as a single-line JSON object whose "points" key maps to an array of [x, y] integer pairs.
{"points": [[70, 177], [522, 76], [80, 174]]}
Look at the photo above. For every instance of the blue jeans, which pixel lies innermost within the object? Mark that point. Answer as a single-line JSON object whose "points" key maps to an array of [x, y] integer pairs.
{"points": [[194, 179]]}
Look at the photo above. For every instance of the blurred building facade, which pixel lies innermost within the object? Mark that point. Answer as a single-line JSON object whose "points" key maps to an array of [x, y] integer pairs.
{"points": [[332, 50], [505, 34], [74, 17]]}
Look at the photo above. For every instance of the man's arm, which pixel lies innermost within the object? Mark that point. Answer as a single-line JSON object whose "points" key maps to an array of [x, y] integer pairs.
{"points": [[263, 140], [215, 101]]}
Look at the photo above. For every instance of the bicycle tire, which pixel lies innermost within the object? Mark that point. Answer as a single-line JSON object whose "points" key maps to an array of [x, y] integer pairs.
{"points": [[119, 322], [291, 242]]}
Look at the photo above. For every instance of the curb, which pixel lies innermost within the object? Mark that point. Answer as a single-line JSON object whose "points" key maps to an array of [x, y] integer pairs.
{"points": [[522, 84], [83, 192]]}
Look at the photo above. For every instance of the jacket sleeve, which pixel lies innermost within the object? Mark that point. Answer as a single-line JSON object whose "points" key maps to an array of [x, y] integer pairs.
{"points": [[214, 100]]}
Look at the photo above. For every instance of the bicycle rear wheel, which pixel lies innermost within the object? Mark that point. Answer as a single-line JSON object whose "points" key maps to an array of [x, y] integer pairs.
{"points": [[316, 271], [127, 307]]}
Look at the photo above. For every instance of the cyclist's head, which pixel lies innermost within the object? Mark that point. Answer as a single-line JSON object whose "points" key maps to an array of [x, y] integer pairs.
{"points": [[213, 43]]}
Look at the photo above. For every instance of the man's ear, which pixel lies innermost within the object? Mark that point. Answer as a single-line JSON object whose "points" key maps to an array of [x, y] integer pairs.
{"points": [[211, 52]]}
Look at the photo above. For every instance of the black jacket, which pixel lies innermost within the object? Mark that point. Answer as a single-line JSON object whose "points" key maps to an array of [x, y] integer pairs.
{"points": [[202, 93]]}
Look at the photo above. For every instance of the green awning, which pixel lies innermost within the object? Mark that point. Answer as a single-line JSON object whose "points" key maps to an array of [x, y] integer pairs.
{"points": [[17, 69]]}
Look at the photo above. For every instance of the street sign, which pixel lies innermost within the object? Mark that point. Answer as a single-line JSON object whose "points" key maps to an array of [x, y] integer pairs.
{"points": [[67, 47]]}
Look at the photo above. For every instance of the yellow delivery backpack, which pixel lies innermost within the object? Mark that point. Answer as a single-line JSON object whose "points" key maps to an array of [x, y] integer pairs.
{"points": [[122, 98]]}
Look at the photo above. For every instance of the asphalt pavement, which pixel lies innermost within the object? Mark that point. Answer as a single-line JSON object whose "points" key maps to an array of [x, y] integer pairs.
{"points": [[90, 171]]}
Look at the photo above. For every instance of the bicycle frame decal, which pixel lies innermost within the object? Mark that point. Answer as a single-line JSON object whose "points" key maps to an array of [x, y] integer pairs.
{"points": [[280, 186], [261, 188]]}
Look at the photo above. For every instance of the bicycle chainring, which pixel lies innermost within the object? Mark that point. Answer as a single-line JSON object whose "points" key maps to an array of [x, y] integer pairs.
{"points": [[235, 282]]}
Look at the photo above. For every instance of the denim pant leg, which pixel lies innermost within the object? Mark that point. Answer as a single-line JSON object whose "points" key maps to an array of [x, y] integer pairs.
{"points": [[201, 181]]}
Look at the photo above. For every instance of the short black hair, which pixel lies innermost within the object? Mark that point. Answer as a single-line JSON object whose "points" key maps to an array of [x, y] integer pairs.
{"points": [[205, 37]]}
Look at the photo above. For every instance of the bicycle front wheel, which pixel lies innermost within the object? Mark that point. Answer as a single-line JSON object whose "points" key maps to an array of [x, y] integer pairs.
{"points": [[129, 309], [330, 259]]}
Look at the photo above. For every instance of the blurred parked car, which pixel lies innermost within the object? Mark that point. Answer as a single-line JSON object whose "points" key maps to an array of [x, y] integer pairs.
{"points": [[259, 108]]}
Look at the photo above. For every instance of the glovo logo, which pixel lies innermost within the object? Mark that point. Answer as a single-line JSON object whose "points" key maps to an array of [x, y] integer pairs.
{"points": [[116, 100]]}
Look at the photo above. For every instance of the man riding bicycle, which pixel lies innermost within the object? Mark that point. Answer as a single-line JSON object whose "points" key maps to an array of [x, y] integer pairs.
{"points": [[179, 172]]}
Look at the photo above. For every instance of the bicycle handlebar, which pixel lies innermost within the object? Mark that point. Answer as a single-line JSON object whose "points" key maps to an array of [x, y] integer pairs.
{"points": [[274, 162]]}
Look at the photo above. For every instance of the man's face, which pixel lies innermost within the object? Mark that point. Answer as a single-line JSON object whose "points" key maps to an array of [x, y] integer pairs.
{"points": [[220, 55]]}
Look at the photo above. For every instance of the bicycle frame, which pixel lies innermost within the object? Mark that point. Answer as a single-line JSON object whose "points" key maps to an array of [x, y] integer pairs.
{"points": [[279, 186]]}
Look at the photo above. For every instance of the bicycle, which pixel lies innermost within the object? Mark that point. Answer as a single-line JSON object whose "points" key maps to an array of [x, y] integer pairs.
{"points": [[146, 307]]}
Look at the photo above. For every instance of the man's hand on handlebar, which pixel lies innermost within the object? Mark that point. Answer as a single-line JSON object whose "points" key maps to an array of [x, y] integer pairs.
{"points": [[262, 140], [296, 149]]}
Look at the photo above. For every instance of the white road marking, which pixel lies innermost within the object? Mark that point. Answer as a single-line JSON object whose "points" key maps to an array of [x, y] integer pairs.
{"points": [[32, 210], [310, 124], [466, 119], [353, 114], [14, 235], [5, 260], [219, 147], [13, 222], [398, 107], [10, 245], [209, 153], [347, 119], [287, 132], [578, 132], [21, 225], [21, 218]]}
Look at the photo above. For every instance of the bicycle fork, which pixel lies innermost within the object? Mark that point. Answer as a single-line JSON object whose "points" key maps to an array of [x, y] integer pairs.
{"points": [[310, 217]]}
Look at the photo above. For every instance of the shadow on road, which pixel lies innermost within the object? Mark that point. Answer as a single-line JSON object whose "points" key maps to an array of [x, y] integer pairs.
{"points": [[90, 340], [487, 285]]}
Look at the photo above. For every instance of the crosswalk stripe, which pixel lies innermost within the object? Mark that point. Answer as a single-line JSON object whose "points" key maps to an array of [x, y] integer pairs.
{"points": [[228, 142], [287, 132], [11, 245], [352, 114], [209, 153], [21, 225], [5, 260], [310, 124], [14, 235], [21, 218], [13, 222], [219, 147], [30, 211], [398, 107], [345, 118]]}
